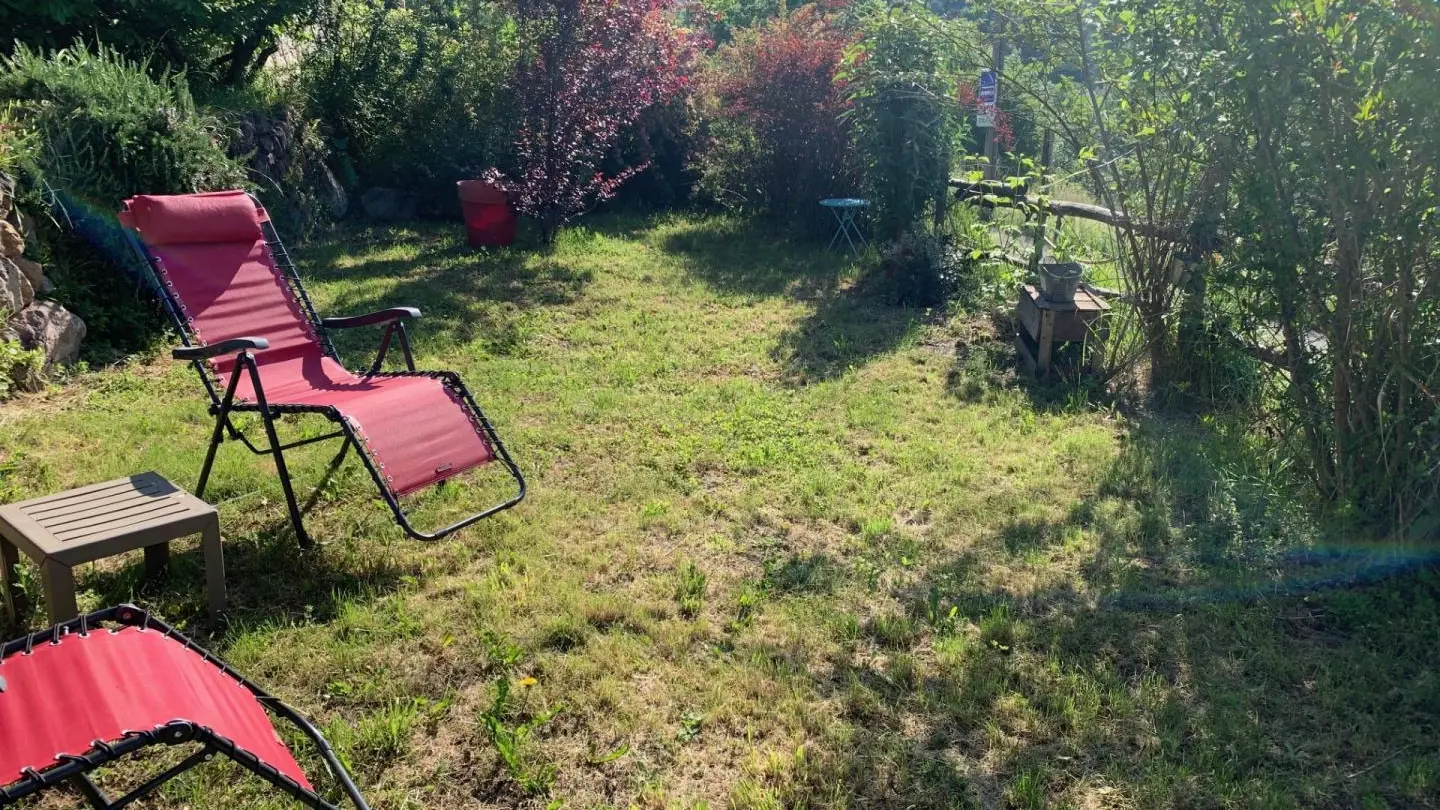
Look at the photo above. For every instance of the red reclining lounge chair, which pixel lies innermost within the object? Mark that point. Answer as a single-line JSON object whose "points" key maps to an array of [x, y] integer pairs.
{"points": [[80, 695], [247, 324]]}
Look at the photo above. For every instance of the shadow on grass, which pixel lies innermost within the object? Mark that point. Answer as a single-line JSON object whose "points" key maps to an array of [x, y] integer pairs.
{"points": [[848, 326], [1204, 651], [267, 577], [987, 364], [849, 323], [741, 256], [466, 294]]}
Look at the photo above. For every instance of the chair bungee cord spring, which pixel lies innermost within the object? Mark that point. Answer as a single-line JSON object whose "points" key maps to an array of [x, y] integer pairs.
{"points": [[94, 690], [248, 327]]}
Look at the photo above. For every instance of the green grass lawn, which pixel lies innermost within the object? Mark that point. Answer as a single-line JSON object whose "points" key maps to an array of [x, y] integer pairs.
{"points": [[784, 548]]}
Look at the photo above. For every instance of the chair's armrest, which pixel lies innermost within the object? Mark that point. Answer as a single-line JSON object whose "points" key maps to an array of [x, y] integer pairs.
{"points": [[232, 346], [374, 318]]}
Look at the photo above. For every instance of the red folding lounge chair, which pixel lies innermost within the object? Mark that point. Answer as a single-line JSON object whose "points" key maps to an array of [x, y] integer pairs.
{"points": [[98, 688], [248, 327]]}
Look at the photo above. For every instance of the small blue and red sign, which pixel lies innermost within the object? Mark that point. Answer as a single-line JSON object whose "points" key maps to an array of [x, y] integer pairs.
{"points": [[989, 88]]}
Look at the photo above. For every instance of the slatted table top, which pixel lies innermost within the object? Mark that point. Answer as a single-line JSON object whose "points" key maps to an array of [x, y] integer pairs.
{"points": [[103, 519], [1085, 301]]}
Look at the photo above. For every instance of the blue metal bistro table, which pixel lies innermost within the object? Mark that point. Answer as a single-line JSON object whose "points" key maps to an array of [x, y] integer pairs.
{"points": [[844, 209]]}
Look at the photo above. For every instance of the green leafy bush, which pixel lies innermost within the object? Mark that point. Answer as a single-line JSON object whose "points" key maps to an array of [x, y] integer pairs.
{"points": [[413, 98], [919, 269], [108, 130], [122, 318], [105, 130], [18, 143], [723, 19], [16, 364], [899, 76], [778, 143]]}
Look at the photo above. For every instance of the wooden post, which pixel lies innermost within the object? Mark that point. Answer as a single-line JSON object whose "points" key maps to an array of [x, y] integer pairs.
{"points": [[1037, 231], [992, 143], [1047, 341]]}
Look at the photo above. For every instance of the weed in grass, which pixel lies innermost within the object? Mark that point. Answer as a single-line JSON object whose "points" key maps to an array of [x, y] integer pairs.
{"points": [[510, 740], [564, 633], [1026, 791], [596, 758], [997, 630], [500, 652], [653, 511], [747, 604], [690, 590], [894, 630], [690, 725], [941, 617], [814, 573]]}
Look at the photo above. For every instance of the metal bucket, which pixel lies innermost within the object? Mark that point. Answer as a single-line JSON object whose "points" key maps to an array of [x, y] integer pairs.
{"points": [[1059, 282]]}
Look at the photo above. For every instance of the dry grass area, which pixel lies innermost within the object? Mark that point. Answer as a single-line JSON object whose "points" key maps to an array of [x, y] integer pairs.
{"points": [[784, 548]]}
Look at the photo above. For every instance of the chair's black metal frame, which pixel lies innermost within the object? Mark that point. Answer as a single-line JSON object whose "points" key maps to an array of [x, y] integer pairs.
{"points": [[75, 769], [222, 406]]}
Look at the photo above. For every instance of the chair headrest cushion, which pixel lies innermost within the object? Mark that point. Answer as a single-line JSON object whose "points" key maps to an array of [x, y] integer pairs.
{"points": [[191, 219]]}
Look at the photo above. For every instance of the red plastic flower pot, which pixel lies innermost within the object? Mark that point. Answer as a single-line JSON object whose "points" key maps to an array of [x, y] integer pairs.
{"points": [[488, 217]]}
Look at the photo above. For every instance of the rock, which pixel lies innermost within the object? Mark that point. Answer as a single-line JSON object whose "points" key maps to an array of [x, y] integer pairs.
{"points": [[32, 270], [7, 194], [266, 141], [11, 242], [27, 227], [281, 149], [16, 291], [327, 189], [52, 328], [45, 287], [388, 204]]}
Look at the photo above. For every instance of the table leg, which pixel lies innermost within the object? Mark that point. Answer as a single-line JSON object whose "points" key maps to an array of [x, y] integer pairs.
{"points": [[1047, 342], [850, 227], [1026, 357], [59, 583], [1098, 338], [10, 557], [157, 559], [855, 226], [834, 240], [214, 568]]}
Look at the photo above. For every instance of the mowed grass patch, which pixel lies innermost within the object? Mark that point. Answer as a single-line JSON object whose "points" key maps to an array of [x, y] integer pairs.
{"points": [[784, 547]]}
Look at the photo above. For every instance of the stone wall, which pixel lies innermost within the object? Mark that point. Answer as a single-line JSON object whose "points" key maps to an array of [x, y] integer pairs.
{"points": [[37, 323], [281, 150]]}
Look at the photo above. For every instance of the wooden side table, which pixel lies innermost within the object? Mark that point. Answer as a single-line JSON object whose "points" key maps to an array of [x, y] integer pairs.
{"points": [[144, 511], [1043, 323]]}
